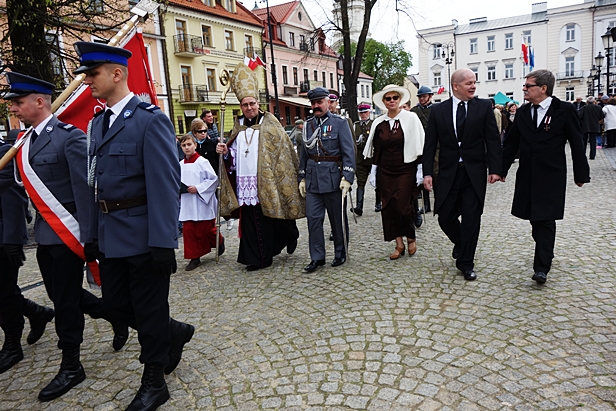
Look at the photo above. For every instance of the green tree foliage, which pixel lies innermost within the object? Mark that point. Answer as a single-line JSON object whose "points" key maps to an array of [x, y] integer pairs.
{"points": [[387, 63]]}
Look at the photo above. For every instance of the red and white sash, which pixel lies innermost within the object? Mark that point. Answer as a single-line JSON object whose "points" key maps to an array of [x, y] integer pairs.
{"points": [[59, 219]]}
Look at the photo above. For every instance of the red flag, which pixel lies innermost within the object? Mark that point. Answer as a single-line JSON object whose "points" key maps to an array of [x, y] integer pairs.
{"points": [[250, 63], [79, 109], [525, 53], [440, 90], [259, 61]]}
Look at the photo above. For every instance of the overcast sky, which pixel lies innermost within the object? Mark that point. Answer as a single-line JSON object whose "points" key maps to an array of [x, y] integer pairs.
{"points": [[387, 25]]}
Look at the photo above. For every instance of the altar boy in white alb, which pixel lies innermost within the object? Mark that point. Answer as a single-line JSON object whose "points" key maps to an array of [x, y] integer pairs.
{"points": [[198, 204]]}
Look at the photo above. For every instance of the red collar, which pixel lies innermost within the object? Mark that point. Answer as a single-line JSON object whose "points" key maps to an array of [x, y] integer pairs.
{"points": [[192, 158]]}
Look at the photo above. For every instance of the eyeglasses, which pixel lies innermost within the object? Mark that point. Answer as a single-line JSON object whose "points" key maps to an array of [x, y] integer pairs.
{"points": [[201, 131], [390, 98], [251, 104], [530, 85]]}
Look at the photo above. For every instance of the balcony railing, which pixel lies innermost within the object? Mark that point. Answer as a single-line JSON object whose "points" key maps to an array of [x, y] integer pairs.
{"points": [[251, 51], [289, 91], [304, 46], [191, 93], [567, 75], [187, 45]]}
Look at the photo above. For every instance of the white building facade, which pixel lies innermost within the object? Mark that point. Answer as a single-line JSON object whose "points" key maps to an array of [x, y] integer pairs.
{"points": [[564, 40]]}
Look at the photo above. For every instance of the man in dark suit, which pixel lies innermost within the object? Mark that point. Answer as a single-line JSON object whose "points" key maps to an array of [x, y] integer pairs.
{"points": [[590, 116], [133, 229], [540, 132], [465, 130], [53, 160], [13, 236]]}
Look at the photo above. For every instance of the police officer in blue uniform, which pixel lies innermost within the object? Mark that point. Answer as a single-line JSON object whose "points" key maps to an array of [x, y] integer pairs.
{"points": [[136, 179], [57, 154], [13, 236], [326, 172]]}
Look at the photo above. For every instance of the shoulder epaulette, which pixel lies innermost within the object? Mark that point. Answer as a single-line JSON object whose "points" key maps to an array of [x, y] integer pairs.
{"points": [[148, 106], [67, 127], [334, 115]]}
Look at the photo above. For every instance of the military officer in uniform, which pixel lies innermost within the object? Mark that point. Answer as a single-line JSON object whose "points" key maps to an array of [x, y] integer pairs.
{"points": [[326, 172], [362, 165], [13, 305], [422, 109], [133, 232], [57, 155]]}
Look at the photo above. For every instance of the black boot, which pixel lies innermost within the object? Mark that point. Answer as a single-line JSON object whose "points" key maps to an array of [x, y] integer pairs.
{"points": [[120, 335], [418, 213], [181, 333], [71, 373], [11, 352], [377, 200], [38, 316], [153, 391], [359, 206]]}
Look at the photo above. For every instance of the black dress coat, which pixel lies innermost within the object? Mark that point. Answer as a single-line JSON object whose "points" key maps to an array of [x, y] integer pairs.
{"points": [[542, 174], [480, 147]]}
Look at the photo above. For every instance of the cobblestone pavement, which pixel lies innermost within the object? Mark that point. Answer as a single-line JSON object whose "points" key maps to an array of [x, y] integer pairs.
{"points": [[376, 334]]}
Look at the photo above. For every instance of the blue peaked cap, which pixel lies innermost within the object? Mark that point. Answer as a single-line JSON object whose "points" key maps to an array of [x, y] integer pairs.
{"points": [[92, 55], [21, 85]]}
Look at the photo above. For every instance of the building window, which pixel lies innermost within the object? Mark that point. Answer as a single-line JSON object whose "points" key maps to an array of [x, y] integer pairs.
{"points": [[229, 40], [206, 33], [476, 71], [473, 46], [363, 95], [508, 41], [612, 58], [570, 93], [285, 75], [437, 49], [207, 2], [491, 73], [303, 46], [526, 37], [331, 81], [569, 66], [306, 75], [315, 75], [291, 39], [570, 32], [228, 5], [295, 76], [509, 94], [55, 51], [491, 45], [287, 114], [211, 79], [248, 45], [368, 90], [96, 6], [509, 70], [323, 77], [437, 78]]}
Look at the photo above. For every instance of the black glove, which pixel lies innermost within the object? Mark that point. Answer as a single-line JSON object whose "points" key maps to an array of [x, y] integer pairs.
{"points": [[164, 261], [15, 254], [91, 251], [183, 188]]}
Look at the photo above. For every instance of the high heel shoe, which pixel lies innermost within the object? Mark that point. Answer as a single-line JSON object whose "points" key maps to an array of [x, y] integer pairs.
{"points": [[412, 247], [397, 253]]}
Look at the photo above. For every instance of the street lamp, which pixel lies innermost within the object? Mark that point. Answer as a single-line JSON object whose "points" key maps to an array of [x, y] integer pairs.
{"points": [[274, 79], [610, 34], [448, 57], [598, 63]]}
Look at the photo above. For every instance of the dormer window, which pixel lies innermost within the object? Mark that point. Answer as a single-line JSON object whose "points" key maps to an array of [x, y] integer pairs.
{"points": [[229, 5]]}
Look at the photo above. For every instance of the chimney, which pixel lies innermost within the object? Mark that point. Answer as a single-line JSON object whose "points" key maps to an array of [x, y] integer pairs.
{"points": [[540, 7], [454, 22]]}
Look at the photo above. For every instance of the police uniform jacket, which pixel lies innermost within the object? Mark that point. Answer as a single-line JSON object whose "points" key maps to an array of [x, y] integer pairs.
{"points": [[13, 205], [136, 158], [59, 158], [335, 140]]}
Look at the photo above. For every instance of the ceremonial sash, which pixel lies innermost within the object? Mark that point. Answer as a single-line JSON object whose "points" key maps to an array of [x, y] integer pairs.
{"points": [[55, 214]]}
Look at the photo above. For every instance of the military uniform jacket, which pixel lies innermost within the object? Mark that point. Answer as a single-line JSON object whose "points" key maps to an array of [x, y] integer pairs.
{"points": [[13, 205], [541, 179], [422, 113], [361, 133], [59, 158], [335, 139], [136, 157]]}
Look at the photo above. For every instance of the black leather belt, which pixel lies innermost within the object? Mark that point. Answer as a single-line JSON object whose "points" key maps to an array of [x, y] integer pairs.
{"points": [[112, 205], [326, 158]]}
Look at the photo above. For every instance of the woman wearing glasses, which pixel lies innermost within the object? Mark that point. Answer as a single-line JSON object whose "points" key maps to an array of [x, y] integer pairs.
{"points": [[396, 144], [206, 146]]}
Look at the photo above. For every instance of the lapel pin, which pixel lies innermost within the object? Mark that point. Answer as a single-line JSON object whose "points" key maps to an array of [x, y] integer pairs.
{"points": [[48, 129], [547, 123], [127, 113]]}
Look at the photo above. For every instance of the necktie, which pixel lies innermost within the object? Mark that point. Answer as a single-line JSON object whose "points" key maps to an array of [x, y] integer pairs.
{"points": [[33, 136], [460, 119], [535, 107], [106, 118]]}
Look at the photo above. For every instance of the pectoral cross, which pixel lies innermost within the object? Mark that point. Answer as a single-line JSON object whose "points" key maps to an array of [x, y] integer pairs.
{"points": [[246, 153]]}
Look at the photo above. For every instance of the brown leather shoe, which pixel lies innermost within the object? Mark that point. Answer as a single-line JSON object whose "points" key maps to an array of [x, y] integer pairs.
{"points": [[397, 253], [412, 247]]}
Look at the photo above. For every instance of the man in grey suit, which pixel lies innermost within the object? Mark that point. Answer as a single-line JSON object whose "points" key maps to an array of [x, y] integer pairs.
{"points": [[326, 172], [13, 305], [134, 229], [57, 155]]}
